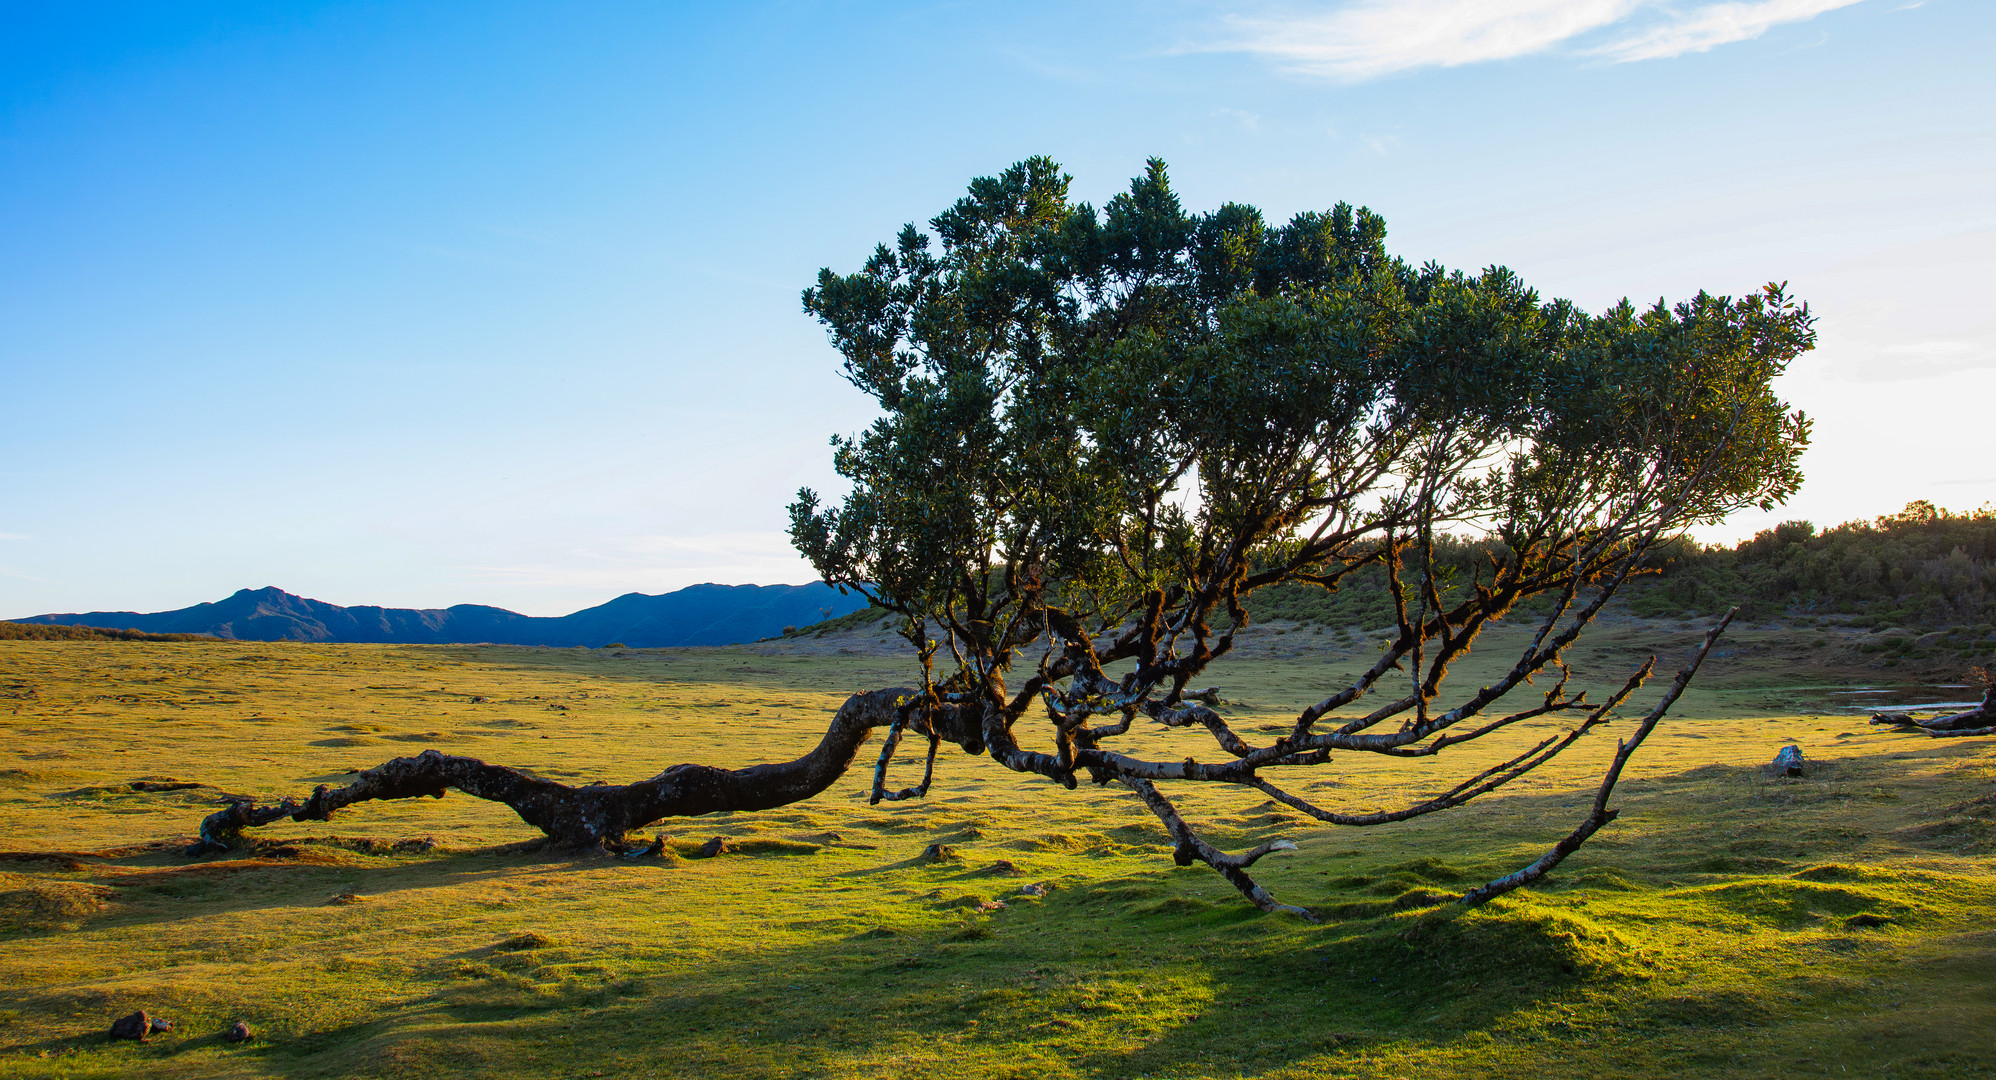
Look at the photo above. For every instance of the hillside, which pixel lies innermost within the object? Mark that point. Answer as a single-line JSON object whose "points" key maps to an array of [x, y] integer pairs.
{"points": [[696, 615]]}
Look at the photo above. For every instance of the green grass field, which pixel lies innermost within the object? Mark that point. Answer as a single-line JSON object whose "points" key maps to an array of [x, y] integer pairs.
{"points": [[1729, 924]]}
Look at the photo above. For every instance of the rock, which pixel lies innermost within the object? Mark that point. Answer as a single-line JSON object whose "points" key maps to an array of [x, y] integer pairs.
{"points": [[992, 905], [136, 1026], [715, 845], [1789, 760], [346, 898], [238, 1033], [1035, 890], [158, 1025], [936, 853]]}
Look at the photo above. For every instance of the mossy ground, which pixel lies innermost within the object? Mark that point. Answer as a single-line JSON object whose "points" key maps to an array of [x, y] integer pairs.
{"points": [[1729, 924]]}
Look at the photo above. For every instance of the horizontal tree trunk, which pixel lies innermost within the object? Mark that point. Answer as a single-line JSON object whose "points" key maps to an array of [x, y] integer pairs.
{"points": [[593, 815], [1980, 720]]}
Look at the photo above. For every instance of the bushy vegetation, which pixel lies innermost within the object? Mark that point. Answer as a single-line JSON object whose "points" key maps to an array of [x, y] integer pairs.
{"points": [[865, 616], [1921, 567], [13, 631]]}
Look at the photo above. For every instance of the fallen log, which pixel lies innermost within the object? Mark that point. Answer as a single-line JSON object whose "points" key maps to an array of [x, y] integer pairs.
{"points": [[1980, 720]]}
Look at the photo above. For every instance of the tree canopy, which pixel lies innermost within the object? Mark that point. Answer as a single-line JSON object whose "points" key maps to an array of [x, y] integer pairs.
{"points": [[1101, 430]]}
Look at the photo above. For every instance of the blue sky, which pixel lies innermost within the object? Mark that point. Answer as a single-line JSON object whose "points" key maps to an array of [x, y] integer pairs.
{"points": [[423, 304]]}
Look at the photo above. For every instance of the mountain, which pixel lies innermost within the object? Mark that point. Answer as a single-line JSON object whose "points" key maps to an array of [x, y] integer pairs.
{"points": [[695, 615]]}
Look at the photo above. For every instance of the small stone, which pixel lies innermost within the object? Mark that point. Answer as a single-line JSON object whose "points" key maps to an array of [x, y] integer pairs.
{"points": [[136, 1026], [158, 1025], [1789, 760], [239, 1033], [1032, 890], [992, 905], [716, 845], [936, 853]]}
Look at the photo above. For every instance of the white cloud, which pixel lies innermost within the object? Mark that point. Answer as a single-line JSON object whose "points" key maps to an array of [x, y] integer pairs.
{"points": [[1367, 39], [13, 536], [1713, 25], [1248, 120]]}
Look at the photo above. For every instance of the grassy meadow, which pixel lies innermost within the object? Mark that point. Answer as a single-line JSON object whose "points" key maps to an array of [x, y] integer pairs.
{"points": [[1731, 923]]}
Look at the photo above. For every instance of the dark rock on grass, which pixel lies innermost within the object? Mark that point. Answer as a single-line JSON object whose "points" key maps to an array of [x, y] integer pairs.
{"points": [[937, 853], [136, 1027], [239, 1033], [716, 845], [159, 1025], [1789, 761]]}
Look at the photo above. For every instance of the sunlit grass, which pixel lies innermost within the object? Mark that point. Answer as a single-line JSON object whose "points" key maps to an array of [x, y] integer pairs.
{"points": [[1730, 924]]}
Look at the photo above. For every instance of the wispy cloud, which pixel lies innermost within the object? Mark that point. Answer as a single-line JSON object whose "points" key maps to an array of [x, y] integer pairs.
{"points": [[1367, 39], [1248, 120], [13, 536], [1712, 25]]}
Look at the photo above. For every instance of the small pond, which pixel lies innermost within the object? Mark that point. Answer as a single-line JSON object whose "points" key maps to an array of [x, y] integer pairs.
{"points": [[1870, 699]]}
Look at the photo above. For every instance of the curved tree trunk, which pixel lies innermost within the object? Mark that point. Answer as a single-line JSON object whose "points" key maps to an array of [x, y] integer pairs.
{"points": [[1980, 720], [594, 815]]}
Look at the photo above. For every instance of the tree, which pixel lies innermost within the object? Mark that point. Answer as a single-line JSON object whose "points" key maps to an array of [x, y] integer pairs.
{"points": [[1100, 431]]}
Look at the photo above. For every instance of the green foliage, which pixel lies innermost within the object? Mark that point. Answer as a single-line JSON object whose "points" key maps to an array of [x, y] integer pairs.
{"points": [[13, 631], [1921, 567], [1143, 415], [851, 620]]}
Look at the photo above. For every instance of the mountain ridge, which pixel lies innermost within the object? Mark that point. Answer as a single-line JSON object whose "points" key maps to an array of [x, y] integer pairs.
{"points": [[704, 614]]}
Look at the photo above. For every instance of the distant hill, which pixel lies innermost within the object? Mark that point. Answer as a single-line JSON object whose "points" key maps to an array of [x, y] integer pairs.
{"points": [[696, 615]]}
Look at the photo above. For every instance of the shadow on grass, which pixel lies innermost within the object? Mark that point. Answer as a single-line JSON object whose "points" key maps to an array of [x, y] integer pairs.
{"points": [[1158, 971], [1108, 977]]}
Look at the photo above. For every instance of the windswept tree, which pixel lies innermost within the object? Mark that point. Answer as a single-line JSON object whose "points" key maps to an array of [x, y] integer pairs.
{"points": [[1101, 430]]}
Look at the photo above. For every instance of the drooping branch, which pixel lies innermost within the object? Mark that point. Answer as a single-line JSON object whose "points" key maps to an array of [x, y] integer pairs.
{"points": [[1187, 846], [599, 815], [1600, 813]]}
